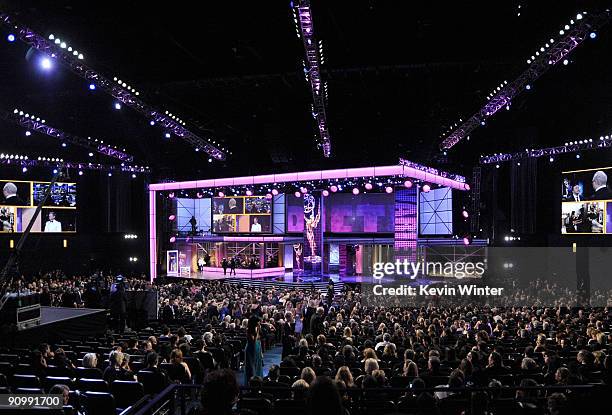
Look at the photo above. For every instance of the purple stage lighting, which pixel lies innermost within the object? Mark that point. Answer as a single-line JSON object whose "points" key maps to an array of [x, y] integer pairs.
{"points": [[80, 172], [249, 193], [92, 87], [117, 106], [10, 37], [167, 135], [297, 194], [171, 195], [268, 195], [171, 218], [389, 189], [25, 169], [274, 192], [221, 194], [408, 184], [172, 239], [325, 193], [426, 188], [368, 186], [334, 188], [355, 191], [27, 133], [466, 241], [465, 214], [151, 122], [199, 195]]}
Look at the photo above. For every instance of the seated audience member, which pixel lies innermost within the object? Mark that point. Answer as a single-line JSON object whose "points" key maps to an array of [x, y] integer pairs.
{"points": [[90, 361], [299, 389], [219, 392], [308, 375], [344, 375], [178, 371], [324, 398], [116, 369]]}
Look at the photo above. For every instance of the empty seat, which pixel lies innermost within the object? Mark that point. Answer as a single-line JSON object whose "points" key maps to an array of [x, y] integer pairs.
{"points": [[99, 403], [126, 392], [152, 382], [25, 381], [49, 381], [88, 373], [24, 369], [258, 405], [28, 391], [58, 371], [92, 385]]}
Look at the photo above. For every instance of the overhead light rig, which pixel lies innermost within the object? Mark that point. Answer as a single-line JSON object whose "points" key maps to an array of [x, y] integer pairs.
{"points": [[25, 161], [57, 49], [573, 34]]}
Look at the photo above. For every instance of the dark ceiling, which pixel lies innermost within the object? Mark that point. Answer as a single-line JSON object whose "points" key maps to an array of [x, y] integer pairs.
{"points": [[399, 73]]}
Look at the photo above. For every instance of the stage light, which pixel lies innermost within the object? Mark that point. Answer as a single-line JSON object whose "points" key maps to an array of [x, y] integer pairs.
{"points": [[565, 62], [527, 87], [173, 239], [297, 194], [465, 214], [221, 194], [210, 160], [117, 106], [171, 218], [551, 159], [54, 171], [199, 195], [64, 145], [325, 193], [80, 172], [268, 195], [368, 186], [24, 169], [426, 188], [593, 35], [151, 122], [46, 63], [171, 195], [10, 37], [389, 189], [334, 188], [110, 174], [28, 133], [92, 87], [167, 135], [579, 16], [355, 191], [90, 154], [577, 156], [63, 45], [466, 240], [408, 184], [249, 193], [274, 192]]}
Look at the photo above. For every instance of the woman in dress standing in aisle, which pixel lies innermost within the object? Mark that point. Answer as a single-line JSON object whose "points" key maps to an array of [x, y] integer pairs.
{"points": [[253, 365]]}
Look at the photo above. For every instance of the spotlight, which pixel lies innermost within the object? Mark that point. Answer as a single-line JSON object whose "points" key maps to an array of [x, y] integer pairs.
{"points": [[274, 192], [110, 174], [24, 169], [80, 172], [171, 217], [551, 159], [64, 145], [90, 154], [268, 195], [527, 87], [565, 62], [389, 189], [297, 194], [210, 160], [426, 188], [151, 122], [167, 135], [325, 193], [408, 184], [221, 194], [27, 133], [355, 191], [368, 186], [54, 171], [117, 106], [171, 195], [593, 35], [466, 240], [199, 195], [465, 214], [173, 239], [10, 37], [334, 188], [249, 193], [133, 176], [577, 156], [46, 63]]}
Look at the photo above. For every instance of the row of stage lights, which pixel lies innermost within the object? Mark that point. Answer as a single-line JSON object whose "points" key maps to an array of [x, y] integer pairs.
{"points": [[64, 45], [47, 64], [30, 116]]}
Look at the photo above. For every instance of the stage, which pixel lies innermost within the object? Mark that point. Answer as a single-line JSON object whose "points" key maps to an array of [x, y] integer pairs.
{"points": [[58, 324]]}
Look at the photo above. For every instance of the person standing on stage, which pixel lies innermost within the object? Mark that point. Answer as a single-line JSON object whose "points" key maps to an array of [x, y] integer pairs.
{"points": [[233, 265], [224, 266]]}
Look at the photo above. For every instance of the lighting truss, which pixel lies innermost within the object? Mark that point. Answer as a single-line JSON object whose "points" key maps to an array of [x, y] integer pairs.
{"points": [[32, 123], [20, 160], [567, 148], [312, 70], [548, 55], [119, 91], [431, 170]]}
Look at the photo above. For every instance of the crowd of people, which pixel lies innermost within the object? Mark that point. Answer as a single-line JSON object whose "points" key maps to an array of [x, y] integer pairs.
{"points": [[334, 345]]}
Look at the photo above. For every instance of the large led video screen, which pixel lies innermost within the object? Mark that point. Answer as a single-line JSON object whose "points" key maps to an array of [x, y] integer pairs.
{"points": [[586, 202], [242, 214], [20, 199], [363, 213]]}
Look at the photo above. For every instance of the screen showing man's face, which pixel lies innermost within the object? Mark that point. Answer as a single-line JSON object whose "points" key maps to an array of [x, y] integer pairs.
{"points": [[51, 216], [576, 190]]}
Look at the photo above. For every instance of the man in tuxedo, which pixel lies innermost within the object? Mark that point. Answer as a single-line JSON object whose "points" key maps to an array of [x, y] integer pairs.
{"points": [[575, 196], [11, 197], [600, 186]]}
